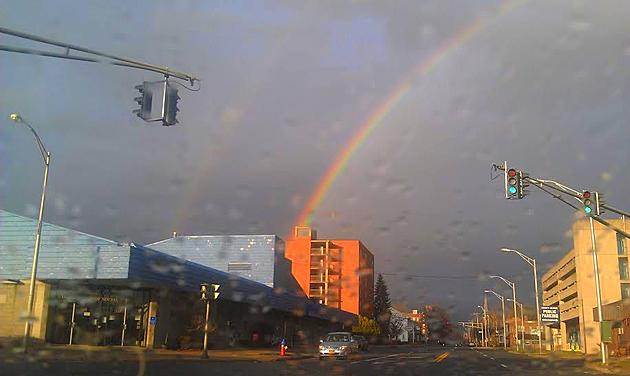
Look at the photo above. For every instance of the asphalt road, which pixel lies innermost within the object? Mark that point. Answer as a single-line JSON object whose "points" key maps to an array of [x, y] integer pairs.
{"points": [[397, 361]]}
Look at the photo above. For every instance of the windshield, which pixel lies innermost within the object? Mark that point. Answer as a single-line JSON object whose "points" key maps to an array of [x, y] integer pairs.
{"points": [[218, 187], [337, 338]]}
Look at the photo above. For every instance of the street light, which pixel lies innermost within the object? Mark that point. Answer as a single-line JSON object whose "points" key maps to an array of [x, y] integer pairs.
{"points": [[513, 286], [31, 291], [531, 261], [522, 322], [502, 299], [477, 326], [484, 336]]}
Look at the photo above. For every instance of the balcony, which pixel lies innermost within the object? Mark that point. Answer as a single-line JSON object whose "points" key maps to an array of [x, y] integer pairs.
{"points": [[570, 305], [551, 291], [569, 280], [568, 291], [567, 268]]}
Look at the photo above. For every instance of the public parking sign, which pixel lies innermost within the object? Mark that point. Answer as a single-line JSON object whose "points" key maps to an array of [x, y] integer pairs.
{"points": [[550, 316]]}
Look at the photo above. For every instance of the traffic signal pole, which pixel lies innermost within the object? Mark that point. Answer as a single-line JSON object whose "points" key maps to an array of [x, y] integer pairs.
{"points": [[598, 289], [594, 215]]}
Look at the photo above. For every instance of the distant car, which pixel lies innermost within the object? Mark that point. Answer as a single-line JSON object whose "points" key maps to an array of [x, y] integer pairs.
{"points": [[337, 345], [471, 344], [362, 342]]}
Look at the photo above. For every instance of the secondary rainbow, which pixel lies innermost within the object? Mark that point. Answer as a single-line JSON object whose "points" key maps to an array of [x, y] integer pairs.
{"points": [[388, 105]]}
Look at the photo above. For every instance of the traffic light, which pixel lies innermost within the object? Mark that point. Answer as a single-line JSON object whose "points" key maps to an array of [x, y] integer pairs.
{"points": [[591, 203], [145, 100], [170, 105], [204, 291], [209, 291], [523, 184], [215, 291], [512, 184]]}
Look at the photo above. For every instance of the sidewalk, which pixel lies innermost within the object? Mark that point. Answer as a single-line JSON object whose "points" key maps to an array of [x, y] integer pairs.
{"points": [[620, 366], [78, 353]]}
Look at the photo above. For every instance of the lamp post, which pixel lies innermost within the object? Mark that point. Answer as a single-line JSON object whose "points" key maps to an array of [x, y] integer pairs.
{"points": [[502, 299], [485, 307], [513, 286], [484, 335], [478, 326], [522, 322], [31, 291], [531, 261]]}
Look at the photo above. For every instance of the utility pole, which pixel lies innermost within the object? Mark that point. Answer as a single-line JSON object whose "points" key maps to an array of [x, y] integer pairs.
{"points": [[598, 289]]}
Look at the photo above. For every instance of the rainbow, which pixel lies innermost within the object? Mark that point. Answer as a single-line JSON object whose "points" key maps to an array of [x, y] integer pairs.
{"points": [[378, 116]]}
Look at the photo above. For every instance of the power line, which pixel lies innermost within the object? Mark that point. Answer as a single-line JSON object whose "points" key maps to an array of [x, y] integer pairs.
{"points": [[431, 276]]}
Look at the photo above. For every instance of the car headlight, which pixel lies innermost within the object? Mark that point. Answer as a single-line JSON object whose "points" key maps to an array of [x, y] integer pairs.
{"points": [[321, 347], [343, 348]]}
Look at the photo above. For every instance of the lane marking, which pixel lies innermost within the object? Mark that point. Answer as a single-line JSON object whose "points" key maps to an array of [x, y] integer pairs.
{"points": [[501, 364], [441, 357], [378, 358]]}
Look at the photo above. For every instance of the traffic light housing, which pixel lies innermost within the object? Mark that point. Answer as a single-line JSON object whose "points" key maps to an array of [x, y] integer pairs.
{"points": [[170, 105], [144, 100], [215, 291], [591, 203], [204, 291], [512, 184], [209, 291]]}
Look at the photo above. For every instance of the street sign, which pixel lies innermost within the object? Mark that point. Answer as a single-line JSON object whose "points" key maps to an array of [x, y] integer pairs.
{"points": [[606, 331], [152, 320], [550, 315]]}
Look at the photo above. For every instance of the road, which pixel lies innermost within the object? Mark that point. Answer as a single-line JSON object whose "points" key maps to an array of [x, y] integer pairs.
{"points": [[397, 361]]}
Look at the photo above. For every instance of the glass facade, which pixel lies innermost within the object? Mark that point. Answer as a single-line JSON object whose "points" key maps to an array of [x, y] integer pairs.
{"points": [[623, 268], [621, 244]]}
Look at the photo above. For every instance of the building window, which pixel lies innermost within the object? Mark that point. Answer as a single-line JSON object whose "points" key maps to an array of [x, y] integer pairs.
{"points": [[239, 266], [623, 268], [621, 244], [625, 290]]}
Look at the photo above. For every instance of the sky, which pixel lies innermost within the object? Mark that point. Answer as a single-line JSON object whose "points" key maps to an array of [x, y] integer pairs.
{"points": [[284, 87]]}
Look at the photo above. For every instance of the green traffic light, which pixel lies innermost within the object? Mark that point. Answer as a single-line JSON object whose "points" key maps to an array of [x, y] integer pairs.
{"points": [[588, 209], [512, 189]]}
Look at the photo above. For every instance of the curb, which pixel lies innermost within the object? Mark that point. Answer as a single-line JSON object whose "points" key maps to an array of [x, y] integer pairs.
{"points": [[296, 357]]}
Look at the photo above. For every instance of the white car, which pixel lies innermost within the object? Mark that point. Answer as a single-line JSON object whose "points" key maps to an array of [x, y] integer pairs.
{"points": [[338, 345]]}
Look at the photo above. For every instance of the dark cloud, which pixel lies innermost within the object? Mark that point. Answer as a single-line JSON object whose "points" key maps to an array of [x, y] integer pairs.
{"points": [[286, 84]]}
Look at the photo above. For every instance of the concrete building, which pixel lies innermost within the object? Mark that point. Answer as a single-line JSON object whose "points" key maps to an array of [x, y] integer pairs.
{"points": [[256, 257], [570, 285], [107, 284], [337, 273]]}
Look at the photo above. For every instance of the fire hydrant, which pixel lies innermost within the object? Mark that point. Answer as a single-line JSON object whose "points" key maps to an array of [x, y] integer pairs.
{"points": [[283, 347]]}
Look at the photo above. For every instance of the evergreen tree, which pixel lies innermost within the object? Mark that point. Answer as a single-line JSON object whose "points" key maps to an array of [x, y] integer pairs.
{"points": [[382, 304]]}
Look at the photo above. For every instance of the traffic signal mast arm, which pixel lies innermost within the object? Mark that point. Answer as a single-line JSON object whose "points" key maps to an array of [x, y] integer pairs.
{"points": [[539, 183], [542, 184], [102, 57]]}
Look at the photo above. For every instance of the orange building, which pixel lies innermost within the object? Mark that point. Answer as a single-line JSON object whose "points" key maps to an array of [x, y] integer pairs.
{"points": [[337, 273]]}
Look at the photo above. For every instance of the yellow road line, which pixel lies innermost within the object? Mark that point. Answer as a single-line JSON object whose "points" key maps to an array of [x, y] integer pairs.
{"points": [[441, 357]]}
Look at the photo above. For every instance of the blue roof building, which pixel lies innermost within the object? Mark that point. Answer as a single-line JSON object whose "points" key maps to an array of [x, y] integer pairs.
{"points": [[110, 283]]}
